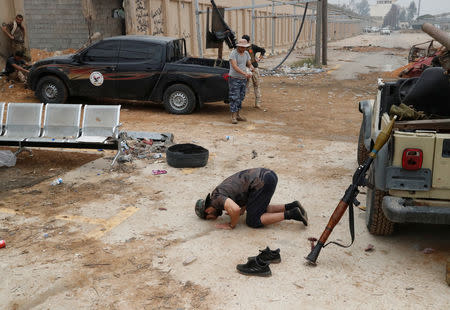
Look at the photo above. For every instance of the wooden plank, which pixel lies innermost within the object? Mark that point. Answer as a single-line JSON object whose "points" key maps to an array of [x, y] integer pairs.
{"points": [[432, 124]]}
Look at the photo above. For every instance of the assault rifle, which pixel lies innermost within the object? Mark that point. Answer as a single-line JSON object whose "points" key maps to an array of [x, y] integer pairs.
{"points": [[228, 35], [349, 199]]}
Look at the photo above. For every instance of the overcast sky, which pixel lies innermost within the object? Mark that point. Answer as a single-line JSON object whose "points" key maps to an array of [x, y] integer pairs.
{"points": [[426, 6]]}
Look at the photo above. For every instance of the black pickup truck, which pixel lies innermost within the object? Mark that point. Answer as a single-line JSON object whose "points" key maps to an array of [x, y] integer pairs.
{"points": [[146, 68]]}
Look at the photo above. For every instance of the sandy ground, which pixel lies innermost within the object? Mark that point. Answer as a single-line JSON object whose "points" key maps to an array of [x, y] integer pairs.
{"points": [[126, 239]]}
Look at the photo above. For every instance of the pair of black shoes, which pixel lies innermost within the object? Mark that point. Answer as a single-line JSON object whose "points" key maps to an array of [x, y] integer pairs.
{"points": [[259, 265]]}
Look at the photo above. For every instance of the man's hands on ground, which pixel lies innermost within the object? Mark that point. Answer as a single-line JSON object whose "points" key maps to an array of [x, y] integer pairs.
{"points": [[224, 226]]}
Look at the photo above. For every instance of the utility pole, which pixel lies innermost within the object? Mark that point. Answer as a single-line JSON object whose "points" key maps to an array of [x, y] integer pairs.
{"points": [[418, 10], [273, 27], [252, 37], [199, 32], [318, 31], [324, 31]]}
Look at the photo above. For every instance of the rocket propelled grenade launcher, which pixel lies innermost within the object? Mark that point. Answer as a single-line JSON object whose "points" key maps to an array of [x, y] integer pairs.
{"points": [[349, 199]]}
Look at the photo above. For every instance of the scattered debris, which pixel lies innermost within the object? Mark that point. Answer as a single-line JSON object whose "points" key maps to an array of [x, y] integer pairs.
{"points": [[409, 288], [56, 182], [158, 172], [162, 209], [298, 285], [46, 235], [369, 248], [189, 260], [141, 148], [2, 244], [7, 158], [254, 154], [428, 251], [361, 207], [292, 71], [124, 158], [96, 264]]}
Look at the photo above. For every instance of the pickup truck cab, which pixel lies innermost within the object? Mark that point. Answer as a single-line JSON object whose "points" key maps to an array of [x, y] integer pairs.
{"points": [[409, 180], [146, 68]]}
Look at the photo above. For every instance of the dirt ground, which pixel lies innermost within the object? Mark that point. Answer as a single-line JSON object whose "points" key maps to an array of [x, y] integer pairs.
{"points": [[123, 238]]}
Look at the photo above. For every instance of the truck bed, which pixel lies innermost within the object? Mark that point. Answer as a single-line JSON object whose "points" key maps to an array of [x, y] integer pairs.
{"points": [[220, 63]]}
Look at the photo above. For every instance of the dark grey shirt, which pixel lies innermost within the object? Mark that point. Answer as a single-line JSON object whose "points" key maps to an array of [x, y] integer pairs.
{"points": [[238, 186]]}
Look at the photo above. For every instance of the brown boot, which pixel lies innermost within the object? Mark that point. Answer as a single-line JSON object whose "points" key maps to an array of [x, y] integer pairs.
{"points": [[240, 118], [234, 118]]}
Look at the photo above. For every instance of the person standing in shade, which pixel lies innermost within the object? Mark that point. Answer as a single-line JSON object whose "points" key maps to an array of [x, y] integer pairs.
{"points": [[256, 77], [15, 31], [237, 82]]}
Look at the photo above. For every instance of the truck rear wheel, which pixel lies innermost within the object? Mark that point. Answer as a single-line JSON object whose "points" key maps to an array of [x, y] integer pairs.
{"points": [[363, 153], [377, 223], [179, 99], [50, 89]]}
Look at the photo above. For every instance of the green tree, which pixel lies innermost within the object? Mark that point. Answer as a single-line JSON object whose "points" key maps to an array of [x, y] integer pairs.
{"points": [[412, 11], [363, 8]]}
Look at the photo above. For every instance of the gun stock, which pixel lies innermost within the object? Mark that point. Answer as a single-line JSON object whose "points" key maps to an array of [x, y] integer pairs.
{"points": [[334, 219], [351, 193]]}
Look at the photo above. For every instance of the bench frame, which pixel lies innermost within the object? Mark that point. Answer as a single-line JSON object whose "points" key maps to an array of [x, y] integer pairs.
{"points": [[115, 142]]}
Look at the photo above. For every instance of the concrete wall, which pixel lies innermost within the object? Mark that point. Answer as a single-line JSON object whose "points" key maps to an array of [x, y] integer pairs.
{"points": [[176, 18], [61, 24]]}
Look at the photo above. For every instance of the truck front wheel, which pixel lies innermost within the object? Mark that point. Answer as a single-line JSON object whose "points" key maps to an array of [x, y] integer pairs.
{"points": [[179, 99], [377, 223], [51, 89]]}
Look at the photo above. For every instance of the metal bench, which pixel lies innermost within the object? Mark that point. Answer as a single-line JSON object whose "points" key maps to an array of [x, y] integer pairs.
{"points": [[61, 123], [62, 126], [23, 120], [100, 123]]}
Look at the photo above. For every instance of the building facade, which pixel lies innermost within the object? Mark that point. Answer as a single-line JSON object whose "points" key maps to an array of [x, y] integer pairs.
{"points": [[381, 8], [62, 24]]}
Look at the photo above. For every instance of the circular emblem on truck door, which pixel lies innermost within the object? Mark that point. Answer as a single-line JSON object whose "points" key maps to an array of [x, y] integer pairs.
{"points": [[96, 78]]}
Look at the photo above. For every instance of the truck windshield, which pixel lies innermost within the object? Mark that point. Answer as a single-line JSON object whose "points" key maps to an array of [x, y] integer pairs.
{"points": [[175, 50]]}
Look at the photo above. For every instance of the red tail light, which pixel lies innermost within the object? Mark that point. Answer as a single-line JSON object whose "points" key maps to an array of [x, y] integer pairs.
{"points": [[226, 76], [412, 159]]}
